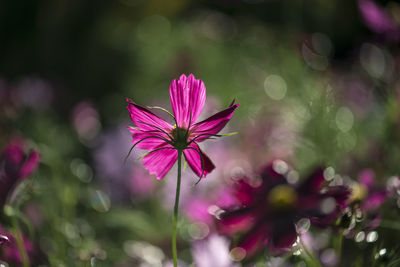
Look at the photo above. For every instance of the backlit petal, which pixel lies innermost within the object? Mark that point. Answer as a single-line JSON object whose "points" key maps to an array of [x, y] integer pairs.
{"points": [[145, 119], [187, 99], [147, 139], [213, 124], [160, 162], [198, 161]]}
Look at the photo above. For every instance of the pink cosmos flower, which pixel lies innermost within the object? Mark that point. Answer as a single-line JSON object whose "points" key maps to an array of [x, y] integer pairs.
{"points": [[15, 166], [164, 140], [364, 204], [269, 212]]}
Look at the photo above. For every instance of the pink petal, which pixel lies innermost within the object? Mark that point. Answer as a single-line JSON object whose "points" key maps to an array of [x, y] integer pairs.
{"points": [[367, 178], [151, 140], [374, 201], [283, 235], [376, 18], [213, 124], [30, 164], [14, 153], [187, 99], [239, 220], [313, 183], [160, 162], [200, 166], [245, 193], [256, 239], [145, 119]]}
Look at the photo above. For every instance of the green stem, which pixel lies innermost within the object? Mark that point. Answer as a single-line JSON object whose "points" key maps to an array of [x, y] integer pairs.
{"points": [[340, 246], [20, 243], [175, 220], [313, 261]]}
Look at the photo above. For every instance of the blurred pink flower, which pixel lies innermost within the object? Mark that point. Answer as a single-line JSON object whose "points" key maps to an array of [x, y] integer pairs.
{"points": [[364, 203], [269, 211], [204, 208], [121, 181], [9, 250], [16, 165], [152, 133], [379, 20]]}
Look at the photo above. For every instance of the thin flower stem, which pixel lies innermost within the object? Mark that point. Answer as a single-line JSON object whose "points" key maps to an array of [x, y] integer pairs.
{"points": [[20, 243], [340, 245], [175, 219], [313, 260]]}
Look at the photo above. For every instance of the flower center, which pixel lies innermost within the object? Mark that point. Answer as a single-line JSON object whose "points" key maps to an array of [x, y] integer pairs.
{"points": [[180, 136], [282, 197], [358, 192]]}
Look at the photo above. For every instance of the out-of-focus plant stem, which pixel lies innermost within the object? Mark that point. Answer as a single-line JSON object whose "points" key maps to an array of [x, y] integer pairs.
{"points": [[20, 242]]}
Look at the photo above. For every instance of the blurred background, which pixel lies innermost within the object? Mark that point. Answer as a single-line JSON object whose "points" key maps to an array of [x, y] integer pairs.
{"points": [[317, 82]]}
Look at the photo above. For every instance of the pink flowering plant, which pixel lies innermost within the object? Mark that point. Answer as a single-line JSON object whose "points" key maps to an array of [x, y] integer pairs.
{"points": [[16, 165], [166, 142]]}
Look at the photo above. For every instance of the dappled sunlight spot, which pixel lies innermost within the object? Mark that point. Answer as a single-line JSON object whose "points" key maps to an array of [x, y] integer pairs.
{"points": [[100, 201], [275, 87], [303, 225], [237, 169], [280, 166], [393, 185], [144, 251], [81, 170], [382, 253], [297, 251], [372, 237], [215, 211], [360, 236], [322, 44], [313, 60], [4, 239], [372, 59], [292, 177], [329, 174], [329, 257], [328, 205], [71, 232], [86, 121], [153, 29], [198, 230], [237, 254], [344, 119]]}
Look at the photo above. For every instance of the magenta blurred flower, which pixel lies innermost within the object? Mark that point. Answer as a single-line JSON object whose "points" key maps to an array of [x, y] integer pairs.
{"points": [[204, 208], [364, 203], [269, 211], [366, 194], [379, 20], [10, 252], [163, 139], [15, 166]]}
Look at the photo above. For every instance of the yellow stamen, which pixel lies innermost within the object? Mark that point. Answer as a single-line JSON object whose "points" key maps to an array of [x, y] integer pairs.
{"points": [[282, 197]]}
